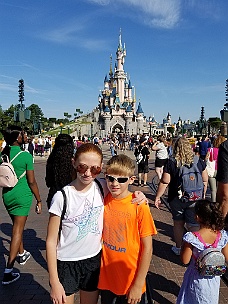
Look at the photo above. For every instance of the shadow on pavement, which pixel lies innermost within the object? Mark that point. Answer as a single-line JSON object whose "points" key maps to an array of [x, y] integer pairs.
{"points": [[163, 251], [155, 281], [32, 243], [25, 290]]}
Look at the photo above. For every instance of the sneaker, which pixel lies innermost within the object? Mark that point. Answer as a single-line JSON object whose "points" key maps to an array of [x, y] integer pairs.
{"points": [[10, 277], [176, 250], [22, 259]]}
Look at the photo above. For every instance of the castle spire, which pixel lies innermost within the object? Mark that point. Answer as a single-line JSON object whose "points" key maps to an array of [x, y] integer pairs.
{"points": [[120, 41], [110, 70]]}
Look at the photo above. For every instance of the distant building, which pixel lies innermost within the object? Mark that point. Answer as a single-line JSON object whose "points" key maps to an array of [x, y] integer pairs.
{"points": [[116, 111]]}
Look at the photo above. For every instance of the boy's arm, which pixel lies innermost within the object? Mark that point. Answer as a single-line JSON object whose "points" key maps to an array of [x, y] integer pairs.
{"points": [[135, 291], [57, 292]]}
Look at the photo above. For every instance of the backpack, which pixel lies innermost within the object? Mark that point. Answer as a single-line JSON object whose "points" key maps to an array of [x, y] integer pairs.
{"points": [[191, 183], [8, 177], [65, 203], [211, 261], [139, 156]]}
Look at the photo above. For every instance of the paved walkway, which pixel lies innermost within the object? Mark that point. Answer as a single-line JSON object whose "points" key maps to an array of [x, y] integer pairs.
{"points": [[165, 273]]}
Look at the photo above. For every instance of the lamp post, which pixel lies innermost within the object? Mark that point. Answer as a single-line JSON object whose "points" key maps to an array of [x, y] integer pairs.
{"points": [[61, 127]]}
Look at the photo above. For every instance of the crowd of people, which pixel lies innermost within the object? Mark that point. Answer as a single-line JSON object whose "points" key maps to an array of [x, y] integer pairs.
{"points": [[99, 237]]}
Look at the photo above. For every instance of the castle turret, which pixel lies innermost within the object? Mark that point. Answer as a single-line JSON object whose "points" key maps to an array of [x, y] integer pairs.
{"points": [[106, 85], [119, 73], [107, 118], [128, 118], [139, 118]]}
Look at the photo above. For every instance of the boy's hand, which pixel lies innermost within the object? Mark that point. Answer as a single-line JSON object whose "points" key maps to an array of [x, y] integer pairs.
{"points": [[134, 295], [139, 198]]}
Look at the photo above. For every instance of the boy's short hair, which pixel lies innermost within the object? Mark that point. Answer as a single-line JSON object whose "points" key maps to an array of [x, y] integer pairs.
{"points": [[120, 165]]}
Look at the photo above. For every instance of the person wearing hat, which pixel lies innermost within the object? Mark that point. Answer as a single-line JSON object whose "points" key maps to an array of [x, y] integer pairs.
{"points": [[142, 155]]}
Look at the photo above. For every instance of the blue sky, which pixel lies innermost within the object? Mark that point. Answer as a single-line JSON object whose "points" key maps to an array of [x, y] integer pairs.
{"points": [[177, 53]]}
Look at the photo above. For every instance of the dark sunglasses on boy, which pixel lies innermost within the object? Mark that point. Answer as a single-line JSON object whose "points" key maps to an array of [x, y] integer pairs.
{"points": [[120, 180], [82, 168]]}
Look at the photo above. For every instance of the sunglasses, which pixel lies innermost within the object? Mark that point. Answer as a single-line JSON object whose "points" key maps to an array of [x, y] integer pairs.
{"points": [[120, 180], [82, 168]]}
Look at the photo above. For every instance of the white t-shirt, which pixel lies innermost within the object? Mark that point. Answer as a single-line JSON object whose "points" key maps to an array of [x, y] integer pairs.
{"points": [[82, 224], [162, 153]]}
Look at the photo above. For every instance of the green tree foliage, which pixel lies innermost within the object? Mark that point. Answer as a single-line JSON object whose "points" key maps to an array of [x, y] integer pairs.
{"points": [[215, 123], [170, 130], [36, 112]]}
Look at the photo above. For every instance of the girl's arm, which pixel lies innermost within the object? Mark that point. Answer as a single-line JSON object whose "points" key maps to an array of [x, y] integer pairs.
{"points": [[34, 188], [57, 292], [205, 181], [154, 147], [186, 252], [164, 182], [225, 252], [135, 292]]}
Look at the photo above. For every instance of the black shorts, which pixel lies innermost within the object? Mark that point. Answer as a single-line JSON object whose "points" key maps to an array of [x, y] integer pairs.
{"points": [[143, 167], [79, 275], [108, 297], [160, 162], [183, 211]]}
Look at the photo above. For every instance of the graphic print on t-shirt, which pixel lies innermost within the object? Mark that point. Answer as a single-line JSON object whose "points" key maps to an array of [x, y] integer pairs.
{"points": [[87, 221]]}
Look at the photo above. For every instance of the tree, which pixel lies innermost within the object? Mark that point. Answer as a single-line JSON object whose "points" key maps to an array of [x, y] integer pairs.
{"points": [[7, 117], [215, 123], [36, 112], [171, 130]]}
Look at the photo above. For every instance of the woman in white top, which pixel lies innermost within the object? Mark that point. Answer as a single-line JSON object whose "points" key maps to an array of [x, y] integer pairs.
{"points": [[74, 251], [161, 155]]}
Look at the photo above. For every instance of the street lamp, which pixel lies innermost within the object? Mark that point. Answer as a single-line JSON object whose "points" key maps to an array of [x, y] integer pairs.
{"points": [[61, 127]]}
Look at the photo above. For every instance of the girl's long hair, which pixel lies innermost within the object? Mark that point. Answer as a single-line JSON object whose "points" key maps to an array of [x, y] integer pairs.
{"points": [[183, 152]]}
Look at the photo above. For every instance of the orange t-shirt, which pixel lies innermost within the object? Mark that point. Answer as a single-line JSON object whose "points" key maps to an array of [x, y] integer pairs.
{"points": [[124, 225]]}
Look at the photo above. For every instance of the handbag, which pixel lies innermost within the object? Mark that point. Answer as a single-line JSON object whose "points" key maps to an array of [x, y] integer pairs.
{"points": [[210, 165]]}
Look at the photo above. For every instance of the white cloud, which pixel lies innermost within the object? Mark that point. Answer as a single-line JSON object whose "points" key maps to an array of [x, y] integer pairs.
{"points": [[100, 2], [155, 13], [8, 87], [74, 34]]}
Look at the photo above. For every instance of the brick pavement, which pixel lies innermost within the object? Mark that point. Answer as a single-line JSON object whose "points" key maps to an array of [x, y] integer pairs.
{"points": [[165, 273]]}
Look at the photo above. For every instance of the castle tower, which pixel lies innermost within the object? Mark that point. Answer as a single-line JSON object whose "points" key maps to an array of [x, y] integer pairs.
{"points": [[107, 118], [139, 118], [117, 100], [119, 72], [128, 119]]}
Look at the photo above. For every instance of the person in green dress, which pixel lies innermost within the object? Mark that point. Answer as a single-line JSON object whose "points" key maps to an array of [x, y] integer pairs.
{"points": [[18, 200]]}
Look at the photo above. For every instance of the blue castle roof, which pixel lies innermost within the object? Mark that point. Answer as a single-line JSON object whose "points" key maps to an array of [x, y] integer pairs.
{"points": [[106, 110], [129, 108], [139, 110]]}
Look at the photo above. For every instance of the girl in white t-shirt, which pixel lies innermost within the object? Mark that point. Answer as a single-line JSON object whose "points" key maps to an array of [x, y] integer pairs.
{"points": [[74, 260]]}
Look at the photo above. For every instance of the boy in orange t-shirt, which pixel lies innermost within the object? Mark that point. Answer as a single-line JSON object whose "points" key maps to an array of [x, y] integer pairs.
{"points": [[127, 238]]}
